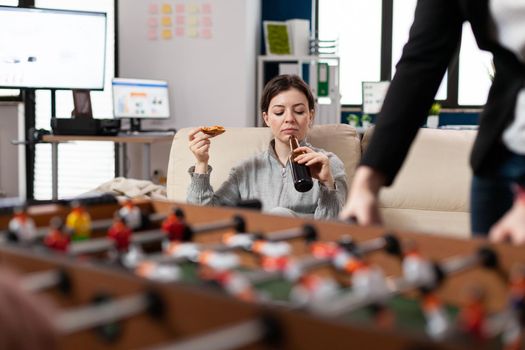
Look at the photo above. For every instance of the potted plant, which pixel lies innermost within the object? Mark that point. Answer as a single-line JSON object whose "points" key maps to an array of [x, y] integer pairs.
{"points": [[366, 120], [353, 120], [433, 115]]}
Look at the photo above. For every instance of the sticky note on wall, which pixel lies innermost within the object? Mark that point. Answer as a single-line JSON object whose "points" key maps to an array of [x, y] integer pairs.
{"points": [[153, 22], [193, 8], [153, 9], [206, 8], [166, 34], [166, 8], [193, 33], [166, 21], [193, 21]]}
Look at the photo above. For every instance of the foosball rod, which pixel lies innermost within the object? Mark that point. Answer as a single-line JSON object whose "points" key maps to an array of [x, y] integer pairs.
{"points": [[88, 317], [308, 232], [237, 336], [40, 281], [388, 243], [102, 244], [485, 257], [97, 225]]}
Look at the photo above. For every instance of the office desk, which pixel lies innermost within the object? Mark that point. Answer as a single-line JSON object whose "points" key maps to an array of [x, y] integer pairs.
{"points": [[146, 139]]}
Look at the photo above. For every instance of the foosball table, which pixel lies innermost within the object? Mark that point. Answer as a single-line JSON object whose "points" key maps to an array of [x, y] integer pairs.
{"points": [[162, 275]]}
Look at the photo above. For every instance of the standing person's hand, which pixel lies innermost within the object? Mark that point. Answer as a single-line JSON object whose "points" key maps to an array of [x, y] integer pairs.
{"points": [[363, 202], [511, 226], [318, 163], [199, 144]]}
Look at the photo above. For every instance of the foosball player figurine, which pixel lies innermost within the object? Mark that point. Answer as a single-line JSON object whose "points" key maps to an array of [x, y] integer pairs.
{"points": [[512, 336], [219, 268], [125, 252], [473, 315], [313, 288], [120, 233], [21, 227], [174, 225], [437, 322], [517, 290], [57, 238], [79, 222], [131, 214], [417, 269], [368, 281], [274, 255]]}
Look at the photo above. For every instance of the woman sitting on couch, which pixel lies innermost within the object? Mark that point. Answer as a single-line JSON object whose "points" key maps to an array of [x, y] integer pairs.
{"points": [[287, 107]]}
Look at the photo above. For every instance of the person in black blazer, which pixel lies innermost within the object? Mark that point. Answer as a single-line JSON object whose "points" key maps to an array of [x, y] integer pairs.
{"points": [[434, 37]]}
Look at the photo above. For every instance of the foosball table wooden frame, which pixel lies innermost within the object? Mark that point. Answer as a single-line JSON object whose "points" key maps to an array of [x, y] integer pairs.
{"points": [[189, 311]]}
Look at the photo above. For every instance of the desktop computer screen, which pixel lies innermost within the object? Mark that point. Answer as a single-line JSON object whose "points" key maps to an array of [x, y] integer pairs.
{"points": [[140, 99]]}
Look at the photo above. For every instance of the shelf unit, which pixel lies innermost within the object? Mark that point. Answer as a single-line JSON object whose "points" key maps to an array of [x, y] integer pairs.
{"points": [[307, 67]]}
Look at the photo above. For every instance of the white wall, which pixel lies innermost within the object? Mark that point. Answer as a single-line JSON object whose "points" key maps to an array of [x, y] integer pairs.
{"points": [[212, 81], [9, 152]]}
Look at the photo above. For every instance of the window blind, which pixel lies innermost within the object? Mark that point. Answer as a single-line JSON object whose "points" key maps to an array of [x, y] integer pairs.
{"points": [[82, 166]]}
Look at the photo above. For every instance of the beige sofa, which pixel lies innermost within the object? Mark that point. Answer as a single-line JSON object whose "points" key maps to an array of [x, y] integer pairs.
{"points": [[429, 195]]}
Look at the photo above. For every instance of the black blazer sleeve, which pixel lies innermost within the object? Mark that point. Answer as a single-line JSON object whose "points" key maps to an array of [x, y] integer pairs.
{"points": [[434, 37]]}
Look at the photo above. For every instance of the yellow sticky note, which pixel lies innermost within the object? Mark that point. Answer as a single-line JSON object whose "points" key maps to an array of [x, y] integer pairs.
{"points": [[193, 33], [193, 21], [193, 8], [166, 21], [166, 34], [166, 8]]}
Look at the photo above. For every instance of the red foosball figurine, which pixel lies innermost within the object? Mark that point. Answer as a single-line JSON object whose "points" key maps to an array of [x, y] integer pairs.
{"points": [[517, 287], [120, 233], [220, 268], [57, 239], [512, 336], [274, 255], [473, 315], [79, 222], [174, 225]]}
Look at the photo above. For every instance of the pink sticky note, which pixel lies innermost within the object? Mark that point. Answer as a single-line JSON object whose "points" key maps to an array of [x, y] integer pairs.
{"points": [[179, 31], [180, 20], [153, 22], [152, 34], [179, 8], [153, 9], [206, 21], [206, 8], [205, 33]]}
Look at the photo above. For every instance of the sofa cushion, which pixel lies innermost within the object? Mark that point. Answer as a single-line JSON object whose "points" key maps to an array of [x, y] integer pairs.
{"points": [[237, 144], [434, 180]]}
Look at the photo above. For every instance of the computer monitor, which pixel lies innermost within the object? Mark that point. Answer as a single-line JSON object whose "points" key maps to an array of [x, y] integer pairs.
{"points": [[140, 99], [53, 49]]}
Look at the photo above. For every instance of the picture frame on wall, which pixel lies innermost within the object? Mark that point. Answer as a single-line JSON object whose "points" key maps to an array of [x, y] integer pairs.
{"points": [[277, 38]]}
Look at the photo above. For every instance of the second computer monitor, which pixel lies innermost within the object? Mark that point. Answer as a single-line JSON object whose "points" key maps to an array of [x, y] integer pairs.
{"points": [[140, 99]]}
